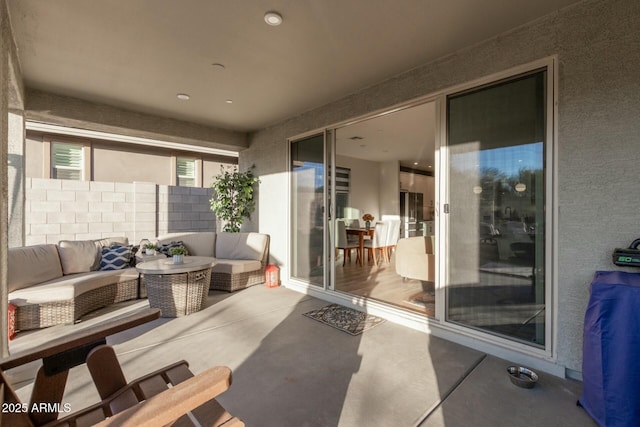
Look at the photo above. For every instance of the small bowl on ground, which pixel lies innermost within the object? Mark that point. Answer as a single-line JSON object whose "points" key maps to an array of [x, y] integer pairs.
{"points": [[522, 377]]}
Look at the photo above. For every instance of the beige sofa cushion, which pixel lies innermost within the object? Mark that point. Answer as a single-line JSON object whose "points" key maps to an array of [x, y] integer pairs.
{"points": [[68, 287], [415, 259], [79, 256], [235, 266], [247, 246], [108, 241], [197, 243], [32, 264]]}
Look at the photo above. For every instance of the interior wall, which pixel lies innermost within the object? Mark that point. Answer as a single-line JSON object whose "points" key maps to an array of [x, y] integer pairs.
{"points": [[597, 44], [363, 194], [388, 189]]}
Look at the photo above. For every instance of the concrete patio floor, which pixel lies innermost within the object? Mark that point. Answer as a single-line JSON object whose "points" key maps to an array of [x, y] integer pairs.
{"points": [[289, 370]]}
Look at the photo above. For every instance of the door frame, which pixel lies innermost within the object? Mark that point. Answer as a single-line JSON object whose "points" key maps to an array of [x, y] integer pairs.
{"points": [[551, 212]]}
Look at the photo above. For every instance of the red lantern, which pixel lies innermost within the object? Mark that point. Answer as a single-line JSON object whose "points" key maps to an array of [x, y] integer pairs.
{"points": [[12, 321], [272, 276]]}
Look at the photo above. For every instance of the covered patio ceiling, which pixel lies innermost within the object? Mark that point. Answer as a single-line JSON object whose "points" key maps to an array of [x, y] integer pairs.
{"points": [[240, 73]]}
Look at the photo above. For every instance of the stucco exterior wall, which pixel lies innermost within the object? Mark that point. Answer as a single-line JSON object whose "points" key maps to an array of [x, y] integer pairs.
{"points": [[121, 162], [597, 44], [129, 164], [11, 157]]}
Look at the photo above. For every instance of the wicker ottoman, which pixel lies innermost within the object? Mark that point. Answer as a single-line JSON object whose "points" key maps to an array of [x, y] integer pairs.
{"points": [[177, 289]]}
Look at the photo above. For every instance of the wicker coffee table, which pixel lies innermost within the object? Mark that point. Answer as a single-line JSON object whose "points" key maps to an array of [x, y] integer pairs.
{"points": [[177, 289]]}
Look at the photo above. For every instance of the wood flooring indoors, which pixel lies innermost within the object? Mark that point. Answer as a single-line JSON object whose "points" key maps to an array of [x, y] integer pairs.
{"points": [[381, 282]]}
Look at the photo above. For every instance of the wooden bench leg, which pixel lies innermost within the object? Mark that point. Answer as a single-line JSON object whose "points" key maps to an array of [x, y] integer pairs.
{"points": [[47, 390], [108, 378]]}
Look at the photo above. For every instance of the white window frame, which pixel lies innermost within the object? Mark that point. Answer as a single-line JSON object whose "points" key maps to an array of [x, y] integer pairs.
{"points": [[84, 164], [197, 167]]}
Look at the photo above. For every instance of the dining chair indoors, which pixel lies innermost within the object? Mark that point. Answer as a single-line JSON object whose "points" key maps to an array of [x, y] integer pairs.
{"points": [[344, 243], [377, 243], [393, 234]]}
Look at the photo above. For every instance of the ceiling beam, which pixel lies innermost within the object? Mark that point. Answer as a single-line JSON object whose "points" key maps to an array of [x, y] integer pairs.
{"points": [[46, 107]]}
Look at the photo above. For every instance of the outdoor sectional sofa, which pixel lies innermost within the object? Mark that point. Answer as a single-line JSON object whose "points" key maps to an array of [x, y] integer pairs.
{"points": [[57, 284], [240, 258]]}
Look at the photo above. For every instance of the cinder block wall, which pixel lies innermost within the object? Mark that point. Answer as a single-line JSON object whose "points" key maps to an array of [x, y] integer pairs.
{"points": [[78, 210], [184, 209]]}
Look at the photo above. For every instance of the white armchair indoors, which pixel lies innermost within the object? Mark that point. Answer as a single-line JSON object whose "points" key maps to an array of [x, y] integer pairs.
{"points": [[415, 258]]}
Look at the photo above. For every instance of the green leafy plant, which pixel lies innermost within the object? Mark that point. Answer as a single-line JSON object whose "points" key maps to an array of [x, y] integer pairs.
{"points": [[180, 250], [150, 246], [232, 200]]}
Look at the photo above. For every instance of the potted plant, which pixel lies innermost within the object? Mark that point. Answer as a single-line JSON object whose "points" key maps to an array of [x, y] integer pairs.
{"points": [[178, 254], [149, 248], [232, 200]]}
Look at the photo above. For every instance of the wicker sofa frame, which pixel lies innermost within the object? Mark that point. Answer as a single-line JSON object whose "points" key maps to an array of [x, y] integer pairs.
{"points": [[222, 281], [35, 265], [235, 282], [42, 315]]}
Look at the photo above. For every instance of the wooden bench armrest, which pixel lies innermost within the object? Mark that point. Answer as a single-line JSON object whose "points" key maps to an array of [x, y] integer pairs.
{"points": [[80, 338], [171, 404]]}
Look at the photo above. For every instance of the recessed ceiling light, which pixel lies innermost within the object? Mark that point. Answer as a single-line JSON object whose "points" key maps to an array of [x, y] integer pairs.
{"points": [[430, 166], [183, 97], [229, 101], [415, 163], [273, 18]]}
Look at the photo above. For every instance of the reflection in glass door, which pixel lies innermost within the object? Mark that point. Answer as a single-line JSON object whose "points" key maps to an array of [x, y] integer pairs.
{"points": [[307, 209], [496, 224]]}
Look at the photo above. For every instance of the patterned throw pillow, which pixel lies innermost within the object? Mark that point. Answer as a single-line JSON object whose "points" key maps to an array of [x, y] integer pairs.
{"points": [[134, 259], [116, 257], [166, 249]]}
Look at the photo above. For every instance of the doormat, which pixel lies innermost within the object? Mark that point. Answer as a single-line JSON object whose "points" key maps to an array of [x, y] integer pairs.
{"points": [[345, 319], [425, 300]]}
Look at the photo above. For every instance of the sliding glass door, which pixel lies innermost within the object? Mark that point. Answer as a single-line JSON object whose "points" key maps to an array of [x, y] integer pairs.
{"points": [[496, 243], [308, 209], [385, 168]]}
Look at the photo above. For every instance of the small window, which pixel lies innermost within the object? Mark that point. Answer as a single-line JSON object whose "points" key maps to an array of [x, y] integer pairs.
{"points": [[67, 161], [343, 183], [343, 178], [342, 202], [185, 172]]}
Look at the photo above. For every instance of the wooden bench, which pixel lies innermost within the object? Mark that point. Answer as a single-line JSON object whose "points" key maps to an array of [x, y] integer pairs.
{"points": [[147, 401]]}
